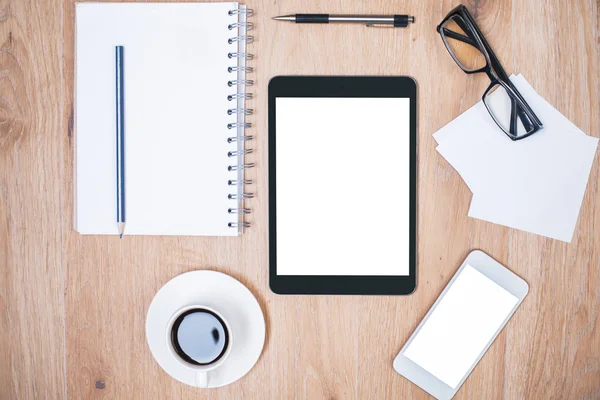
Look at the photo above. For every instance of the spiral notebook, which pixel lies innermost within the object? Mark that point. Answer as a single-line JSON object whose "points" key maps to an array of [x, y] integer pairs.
{"points": [[185, 117]]}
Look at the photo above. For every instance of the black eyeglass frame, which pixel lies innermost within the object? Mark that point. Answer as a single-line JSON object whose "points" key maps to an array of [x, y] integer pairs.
{"points": [[493, 69]]}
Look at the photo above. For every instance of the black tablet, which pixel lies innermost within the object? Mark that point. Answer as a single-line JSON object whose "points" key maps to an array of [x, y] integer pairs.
{"points": [[342, 185]]}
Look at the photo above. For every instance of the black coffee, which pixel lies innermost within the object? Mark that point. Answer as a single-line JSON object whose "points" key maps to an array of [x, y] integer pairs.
{"points": [[199, 336]]}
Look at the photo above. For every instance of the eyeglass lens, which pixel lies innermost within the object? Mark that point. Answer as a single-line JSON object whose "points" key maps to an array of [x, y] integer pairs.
{"points": [[461, 43], [498, 103]]}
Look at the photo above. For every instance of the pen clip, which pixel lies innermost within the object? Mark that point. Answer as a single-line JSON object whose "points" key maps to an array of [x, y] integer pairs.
{"points": [[371, 25]]}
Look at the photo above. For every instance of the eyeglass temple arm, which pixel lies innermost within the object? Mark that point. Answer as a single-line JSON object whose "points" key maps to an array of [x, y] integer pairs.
{"points": [[516, 113], [515, 109], [513, 118]]}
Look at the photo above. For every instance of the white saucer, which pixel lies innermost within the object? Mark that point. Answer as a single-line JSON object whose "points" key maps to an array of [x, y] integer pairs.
{"points": [[226, 295]]}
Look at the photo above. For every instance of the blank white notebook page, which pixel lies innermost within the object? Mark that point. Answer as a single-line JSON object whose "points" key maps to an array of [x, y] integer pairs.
{"points": [[343, 186], [175, 71], [463, 323]]}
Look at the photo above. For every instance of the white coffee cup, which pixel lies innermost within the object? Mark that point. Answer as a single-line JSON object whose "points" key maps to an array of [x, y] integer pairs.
{"points": [[200, 339]]}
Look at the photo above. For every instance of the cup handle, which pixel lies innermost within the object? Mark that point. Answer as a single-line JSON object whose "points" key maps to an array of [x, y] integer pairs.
{"points": [[201, 379]]}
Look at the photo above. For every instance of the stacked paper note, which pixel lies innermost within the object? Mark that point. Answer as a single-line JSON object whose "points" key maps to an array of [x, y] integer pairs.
{"points": [[535, 184]]}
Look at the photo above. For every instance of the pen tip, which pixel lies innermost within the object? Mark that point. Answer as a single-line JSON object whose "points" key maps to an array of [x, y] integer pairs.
{"points": [[120, 236], [290, 18]]}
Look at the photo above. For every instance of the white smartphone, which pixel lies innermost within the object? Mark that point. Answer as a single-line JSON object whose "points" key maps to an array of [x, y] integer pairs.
{"points": [[461, 325]]}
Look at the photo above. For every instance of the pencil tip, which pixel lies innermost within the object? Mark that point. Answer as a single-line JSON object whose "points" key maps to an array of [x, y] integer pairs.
{"points": [[121, 226]]}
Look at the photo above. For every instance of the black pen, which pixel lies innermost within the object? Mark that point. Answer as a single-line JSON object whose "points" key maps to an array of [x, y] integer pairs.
{"points": [[391, 21]]}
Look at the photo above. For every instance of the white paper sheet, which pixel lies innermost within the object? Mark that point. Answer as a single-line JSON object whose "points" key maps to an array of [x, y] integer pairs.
{"points": [[536, 184], [176, 59]]}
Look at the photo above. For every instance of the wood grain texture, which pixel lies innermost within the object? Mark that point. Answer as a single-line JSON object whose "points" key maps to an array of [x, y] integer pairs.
{"points": [[32, 339], [72, 308]]}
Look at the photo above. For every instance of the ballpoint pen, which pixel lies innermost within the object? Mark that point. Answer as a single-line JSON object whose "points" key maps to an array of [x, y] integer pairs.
{"points": [[391, 21]]}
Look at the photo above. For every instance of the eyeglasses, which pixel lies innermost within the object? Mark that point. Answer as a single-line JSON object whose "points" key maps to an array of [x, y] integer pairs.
{"points": [[467, 46]]}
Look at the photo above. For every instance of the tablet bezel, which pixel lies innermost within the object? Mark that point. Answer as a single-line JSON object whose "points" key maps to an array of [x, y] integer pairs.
{"points": [[343, 86], [493, 270]]}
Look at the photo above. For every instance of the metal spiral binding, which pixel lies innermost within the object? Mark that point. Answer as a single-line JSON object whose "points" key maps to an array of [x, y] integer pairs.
{"points": [[239, 225], [239, 125], [247, 39], [237, 82], [240, 167], [241, 55], [245, 111], [236, 153], [248, 11], [239, 110], [245, 96], [246, 69], [236, 196], [248, 25], [233, 182], [239, 211], [238, 138]]}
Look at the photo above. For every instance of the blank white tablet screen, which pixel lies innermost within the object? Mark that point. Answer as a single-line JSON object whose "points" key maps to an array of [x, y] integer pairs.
{"points": [[460, 327], [343, 186]]}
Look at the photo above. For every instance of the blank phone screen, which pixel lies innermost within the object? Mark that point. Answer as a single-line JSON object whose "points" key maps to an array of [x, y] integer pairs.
{"points": [[460, 327]]}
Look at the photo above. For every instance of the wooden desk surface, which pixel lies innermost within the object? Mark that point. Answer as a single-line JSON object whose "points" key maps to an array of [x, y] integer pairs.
{"points": [[72, 308]]}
